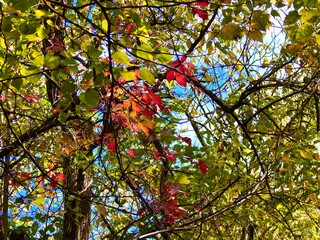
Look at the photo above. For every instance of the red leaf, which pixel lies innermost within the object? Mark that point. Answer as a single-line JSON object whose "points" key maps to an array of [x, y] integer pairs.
{"points": [[181, 80], [128, 27], [136, 128], [203, 167], [171, 156], [131, 153], [112, 146], [190, 65], [186, 140], [179, 62], [202, 3], [157, 155], [118, 26], [201, 13], [155, 98], [31, 98], [170, 75], [147, 98]]}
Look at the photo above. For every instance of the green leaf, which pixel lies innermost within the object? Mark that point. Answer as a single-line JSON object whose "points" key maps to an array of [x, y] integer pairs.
{"points": [[19, 83], [6, 25], [144, 51], [292, 17], [90, 98], [63, 117], [121, 57], [304, 33], [67, 88], [260, 20], [275, 13], [164, 56], [51, 61], [93, 52], [24, 5], [310, 3], [145, 74]]}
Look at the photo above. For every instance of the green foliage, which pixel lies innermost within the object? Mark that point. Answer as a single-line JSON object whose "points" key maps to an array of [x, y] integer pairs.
{"points": [[184, 120]]}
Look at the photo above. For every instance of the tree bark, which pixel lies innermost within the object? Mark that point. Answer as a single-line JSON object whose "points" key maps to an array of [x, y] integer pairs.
{"points": [[77, 187], [77, 207]]}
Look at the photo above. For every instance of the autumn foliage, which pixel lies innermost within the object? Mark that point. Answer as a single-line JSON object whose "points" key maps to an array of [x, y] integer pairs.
{"points": [[159, 119]]}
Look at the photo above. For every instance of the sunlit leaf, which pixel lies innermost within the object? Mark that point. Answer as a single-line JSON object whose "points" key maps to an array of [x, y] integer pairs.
{"points": [[121, 57], [183, 179], [39, 201], [147, 75]]}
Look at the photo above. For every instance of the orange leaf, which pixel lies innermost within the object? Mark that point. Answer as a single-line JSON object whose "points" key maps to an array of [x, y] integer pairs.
{"points": [[60, 176], [143, 128], [136, 107], [147, 121], [127, 103]]}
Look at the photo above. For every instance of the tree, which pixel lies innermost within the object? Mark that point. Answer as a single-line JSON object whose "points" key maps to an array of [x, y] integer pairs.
{"points": [[159, 119]]}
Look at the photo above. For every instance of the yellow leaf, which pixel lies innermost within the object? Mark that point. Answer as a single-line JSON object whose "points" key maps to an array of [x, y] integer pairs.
{"points": [[50, 23], [317, 36], [183, 179], [86, 84], [39, 201], [313, 196], [289, 169], [149, 169], [102, 210], [256, 35], [307, 15], [128, 75], [288, 69], [231, 31], [133, 114], [286, 158], [104, 25], [293, 49], [147, 75], [306, 154], [2, 43], [41, 13], [38, 61]]}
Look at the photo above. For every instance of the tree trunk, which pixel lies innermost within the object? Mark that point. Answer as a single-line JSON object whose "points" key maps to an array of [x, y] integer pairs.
{"points": [[77, 188], [77, 207]]}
